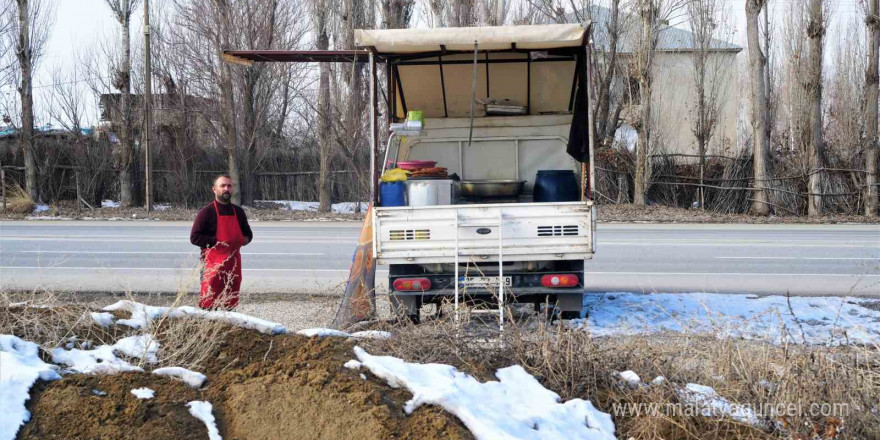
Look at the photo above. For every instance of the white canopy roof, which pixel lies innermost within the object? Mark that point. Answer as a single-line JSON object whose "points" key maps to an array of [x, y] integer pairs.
{"points": [[534, 37]]}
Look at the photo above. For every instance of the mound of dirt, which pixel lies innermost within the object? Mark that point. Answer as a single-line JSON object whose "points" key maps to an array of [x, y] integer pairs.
{"points": [[262, 387], [90, 407]]}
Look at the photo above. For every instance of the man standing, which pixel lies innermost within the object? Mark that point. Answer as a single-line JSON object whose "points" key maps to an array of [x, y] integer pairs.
{"points": [[220, 230]]}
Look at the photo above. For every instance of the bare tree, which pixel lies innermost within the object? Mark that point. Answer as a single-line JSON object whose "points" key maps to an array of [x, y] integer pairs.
{"points": [[31, 23], [872, 20], [396, 14], [816, 34], [648, 12], [705, 19], [760, 135], [321, 28], [461, 13], [122, 10]]}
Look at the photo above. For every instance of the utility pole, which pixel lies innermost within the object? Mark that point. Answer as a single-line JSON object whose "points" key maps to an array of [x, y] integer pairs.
{"points": [[768, 79], [148, 93]]}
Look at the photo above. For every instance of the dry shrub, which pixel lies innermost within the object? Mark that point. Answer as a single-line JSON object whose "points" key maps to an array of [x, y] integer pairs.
{"points": [[187, 342], [54, 319], [18, 201], [48, 319], [575, 364]]}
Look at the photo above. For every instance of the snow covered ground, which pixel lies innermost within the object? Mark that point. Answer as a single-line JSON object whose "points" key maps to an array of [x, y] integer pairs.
{"points": [[337, 208], [142, 315], [814, 320], [192, 378], [514, 407], [20, 367], [143, 393], [366, 334], [204, 411]]}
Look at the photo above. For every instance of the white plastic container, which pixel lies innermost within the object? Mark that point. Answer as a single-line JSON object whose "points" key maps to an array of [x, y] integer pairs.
{"points": [[430, 192]]}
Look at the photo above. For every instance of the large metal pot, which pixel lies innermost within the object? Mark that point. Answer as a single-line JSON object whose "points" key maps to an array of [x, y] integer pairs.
{"points": [[491, 188]]}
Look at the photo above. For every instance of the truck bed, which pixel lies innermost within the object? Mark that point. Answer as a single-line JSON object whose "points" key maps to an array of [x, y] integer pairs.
{"points": [[528, 232]]}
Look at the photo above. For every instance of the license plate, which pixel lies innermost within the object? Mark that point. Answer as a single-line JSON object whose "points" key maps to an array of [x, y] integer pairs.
{"points": [[484, 281]]}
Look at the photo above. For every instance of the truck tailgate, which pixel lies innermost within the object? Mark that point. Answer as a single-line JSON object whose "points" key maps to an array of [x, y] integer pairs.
{"points": [[521, 232]]}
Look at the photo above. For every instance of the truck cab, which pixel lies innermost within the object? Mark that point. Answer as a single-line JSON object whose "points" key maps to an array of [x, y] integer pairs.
{"points": [[505, 110]]}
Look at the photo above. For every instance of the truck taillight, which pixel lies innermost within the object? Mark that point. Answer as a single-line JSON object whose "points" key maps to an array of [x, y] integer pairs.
{"points": [[412, 284], [559, 280]]}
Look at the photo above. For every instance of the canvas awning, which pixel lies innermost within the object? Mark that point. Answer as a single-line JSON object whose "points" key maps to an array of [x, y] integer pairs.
{"points": [[526, 37]]}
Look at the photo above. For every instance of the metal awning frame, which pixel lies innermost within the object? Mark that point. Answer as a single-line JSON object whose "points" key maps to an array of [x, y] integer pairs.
{"points": [[371, 56]]}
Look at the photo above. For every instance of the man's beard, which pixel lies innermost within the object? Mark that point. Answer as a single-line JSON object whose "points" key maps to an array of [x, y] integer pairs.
{"points": [[225, 197]]}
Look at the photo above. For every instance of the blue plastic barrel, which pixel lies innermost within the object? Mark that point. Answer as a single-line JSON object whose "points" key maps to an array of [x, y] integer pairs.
{"points": [[392, 194], [556, 186]]}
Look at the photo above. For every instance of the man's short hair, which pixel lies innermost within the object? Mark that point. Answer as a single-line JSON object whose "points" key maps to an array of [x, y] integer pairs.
{"points": [[218, 178]]}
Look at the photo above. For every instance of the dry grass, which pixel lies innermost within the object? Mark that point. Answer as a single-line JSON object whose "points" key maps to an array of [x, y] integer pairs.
{"points": [[577, 365], [18, 201], [54, 319]]}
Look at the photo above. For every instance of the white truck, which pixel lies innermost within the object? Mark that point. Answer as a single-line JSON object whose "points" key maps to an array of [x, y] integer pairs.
{"points": [[492, 249], [498, 105]]}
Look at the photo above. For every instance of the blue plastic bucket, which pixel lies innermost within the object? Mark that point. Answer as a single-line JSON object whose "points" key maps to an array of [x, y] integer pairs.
{"points": [[556, 186], [392, 194]]}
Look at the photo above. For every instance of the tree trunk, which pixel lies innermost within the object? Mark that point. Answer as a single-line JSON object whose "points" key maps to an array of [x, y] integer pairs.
{"points": [[815, 32], [324, 136], [227, 99], [605, 120], [871, 92], [227, 102], [644, 57], [760, 137], [26, 61], [125, 144]]}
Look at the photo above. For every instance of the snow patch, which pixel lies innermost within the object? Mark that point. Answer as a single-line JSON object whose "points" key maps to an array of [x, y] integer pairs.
{"points": [[143, 393], [104, 319], [816, 320], [520, 407], [630, 377], [139, 346], [203, 411], [371, 334], [101, 360], [192, 378], [336, 208], [110, 204], [310, 332], [352, 364], [709, 404], [20, 368], [41, 207], [142, 315]]}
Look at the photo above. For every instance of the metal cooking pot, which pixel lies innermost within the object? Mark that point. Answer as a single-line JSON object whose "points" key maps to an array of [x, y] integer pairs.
{"points": [[492, 188]]}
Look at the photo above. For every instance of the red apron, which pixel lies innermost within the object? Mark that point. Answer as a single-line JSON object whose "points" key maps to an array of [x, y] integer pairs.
{"points": [[222, 277]]}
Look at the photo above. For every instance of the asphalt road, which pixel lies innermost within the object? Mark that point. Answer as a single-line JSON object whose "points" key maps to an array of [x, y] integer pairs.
{"points": [[314, 258]]}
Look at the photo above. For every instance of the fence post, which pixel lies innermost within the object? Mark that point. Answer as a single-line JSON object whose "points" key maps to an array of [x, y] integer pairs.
{"points": [[78, 192], [3, 184]]}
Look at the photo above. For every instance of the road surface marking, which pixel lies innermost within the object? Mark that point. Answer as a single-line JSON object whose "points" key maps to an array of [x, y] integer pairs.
{"points": [[57, 239], [797, 258], [739, 274], [160, 252], [161, 268], [737, 243]]}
